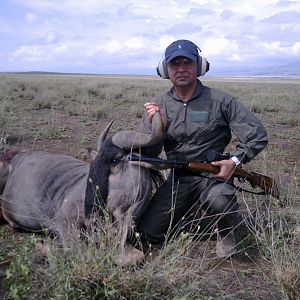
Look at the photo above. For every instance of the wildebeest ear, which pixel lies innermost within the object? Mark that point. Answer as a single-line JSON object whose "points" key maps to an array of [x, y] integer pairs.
{"points": [[93, 153]]}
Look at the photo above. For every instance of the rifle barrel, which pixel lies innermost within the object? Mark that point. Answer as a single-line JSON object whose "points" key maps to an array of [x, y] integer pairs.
{"points": [[155, 160]]}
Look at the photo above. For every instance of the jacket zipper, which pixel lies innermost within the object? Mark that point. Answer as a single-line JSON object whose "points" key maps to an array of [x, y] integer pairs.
{"points": [[184, 121]]}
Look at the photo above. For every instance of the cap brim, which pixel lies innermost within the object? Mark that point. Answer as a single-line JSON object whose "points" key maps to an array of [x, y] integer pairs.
{"points": [[181, 53]]}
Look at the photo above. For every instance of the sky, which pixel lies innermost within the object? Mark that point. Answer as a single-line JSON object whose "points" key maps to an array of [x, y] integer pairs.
{"points": [[130, 36]]}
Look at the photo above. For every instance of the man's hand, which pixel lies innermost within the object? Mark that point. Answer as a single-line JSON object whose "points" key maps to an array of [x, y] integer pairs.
{"points": [[151, 108], [226, 166]]}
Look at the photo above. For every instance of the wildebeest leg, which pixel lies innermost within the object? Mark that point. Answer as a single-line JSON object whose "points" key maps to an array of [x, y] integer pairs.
{"points": [[4, 172], [55, 233], [67, 235], [2, 220], [66, 226], [128, 255]]}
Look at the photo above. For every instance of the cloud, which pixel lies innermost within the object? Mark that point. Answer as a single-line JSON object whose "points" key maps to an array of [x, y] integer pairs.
{"points": [[296, 48], [226, 14], [287, 17], [119, 9], [70, 7], [30, 17], [278, 48], [4, 26], [183, 28], [285, 3], [134, 43], [219, 46], [248, 19], [134, 33], [51, 37], [32, 53], [200, 12], [112, 47]]}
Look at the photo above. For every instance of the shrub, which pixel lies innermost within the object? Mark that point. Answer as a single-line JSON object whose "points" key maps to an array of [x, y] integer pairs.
{"points": [[100, 113]]}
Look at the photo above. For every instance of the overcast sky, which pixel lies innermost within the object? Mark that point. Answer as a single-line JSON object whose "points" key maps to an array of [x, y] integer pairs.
{"points": [[130, 36]]}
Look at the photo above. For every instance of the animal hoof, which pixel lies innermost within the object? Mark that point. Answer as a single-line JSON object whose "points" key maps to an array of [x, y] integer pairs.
{"points": [[131, 256]]}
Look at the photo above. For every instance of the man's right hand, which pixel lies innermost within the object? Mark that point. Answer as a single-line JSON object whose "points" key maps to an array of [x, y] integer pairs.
{"points": [[151, 108]]}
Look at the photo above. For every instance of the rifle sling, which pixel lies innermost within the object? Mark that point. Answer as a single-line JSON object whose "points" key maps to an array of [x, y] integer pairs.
{"points": [[240, 189]]}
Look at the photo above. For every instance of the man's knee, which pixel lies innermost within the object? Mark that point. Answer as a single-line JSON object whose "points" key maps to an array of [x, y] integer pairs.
{"points": [[221, 199]]}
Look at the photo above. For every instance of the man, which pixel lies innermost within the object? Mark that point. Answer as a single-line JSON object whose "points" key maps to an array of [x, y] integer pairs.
{"points": [[198, 119]]}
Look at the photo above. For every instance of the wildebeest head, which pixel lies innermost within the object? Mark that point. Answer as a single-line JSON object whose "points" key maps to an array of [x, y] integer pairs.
{"points": [[116, 182]]}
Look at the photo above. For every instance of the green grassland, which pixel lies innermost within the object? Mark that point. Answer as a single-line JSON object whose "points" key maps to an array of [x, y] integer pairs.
{"points": [[66, 113]]}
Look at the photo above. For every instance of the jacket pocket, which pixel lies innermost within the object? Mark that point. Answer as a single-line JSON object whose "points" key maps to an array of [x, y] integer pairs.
{"points": [[198, 116]]}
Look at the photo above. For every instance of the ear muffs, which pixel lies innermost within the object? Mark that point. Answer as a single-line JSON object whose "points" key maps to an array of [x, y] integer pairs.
{"points": [[202, 67], [162, 69]]}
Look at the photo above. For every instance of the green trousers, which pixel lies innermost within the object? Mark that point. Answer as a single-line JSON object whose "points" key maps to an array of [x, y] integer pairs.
{"points": [[175, 200]]}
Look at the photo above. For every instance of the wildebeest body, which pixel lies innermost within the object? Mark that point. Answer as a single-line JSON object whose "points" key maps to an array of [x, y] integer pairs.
{"points": [[45, 190]]}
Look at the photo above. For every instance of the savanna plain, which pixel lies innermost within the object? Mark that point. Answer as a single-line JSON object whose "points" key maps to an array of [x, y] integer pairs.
{"points": [[66, 114]]}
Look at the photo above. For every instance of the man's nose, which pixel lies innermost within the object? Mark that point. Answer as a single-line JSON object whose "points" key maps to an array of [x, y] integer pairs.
{"points": [[181, 67]]}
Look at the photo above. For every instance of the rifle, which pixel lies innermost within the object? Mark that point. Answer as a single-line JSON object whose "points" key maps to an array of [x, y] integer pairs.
{"points": [[266, 183]]}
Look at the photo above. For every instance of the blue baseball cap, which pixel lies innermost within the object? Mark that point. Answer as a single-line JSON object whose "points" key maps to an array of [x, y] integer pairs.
{"points": [[181, 48]]}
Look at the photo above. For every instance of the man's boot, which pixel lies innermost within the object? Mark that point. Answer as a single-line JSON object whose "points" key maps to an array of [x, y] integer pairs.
{"points": [[226, 245]]}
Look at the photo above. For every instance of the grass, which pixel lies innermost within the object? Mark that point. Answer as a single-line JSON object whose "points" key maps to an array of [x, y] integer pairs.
{"points": [[66, 114], [278, 240], [89, 270]]}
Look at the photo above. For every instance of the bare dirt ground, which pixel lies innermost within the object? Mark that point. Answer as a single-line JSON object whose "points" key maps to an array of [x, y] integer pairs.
{"points": [[70, 123]]}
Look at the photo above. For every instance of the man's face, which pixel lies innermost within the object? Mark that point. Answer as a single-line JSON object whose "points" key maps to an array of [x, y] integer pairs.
{"points": [[182, 71]]}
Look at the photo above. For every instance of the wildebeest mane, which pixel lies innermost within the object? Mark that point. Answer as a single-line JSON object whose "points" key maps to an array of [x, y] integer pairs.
{"points": [[157, 178]]}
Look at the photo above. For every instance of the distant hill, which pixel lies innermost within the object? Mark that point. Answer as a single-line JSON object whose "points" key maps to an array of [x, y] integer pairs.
{"points": [[285, 70], [45, 73], [290, 70], [41, 73]]}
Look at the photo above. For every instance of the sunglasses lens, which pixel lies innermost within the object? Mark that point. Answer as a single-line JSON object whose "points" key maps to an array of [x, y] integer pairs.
{"points": [[186, 63]]}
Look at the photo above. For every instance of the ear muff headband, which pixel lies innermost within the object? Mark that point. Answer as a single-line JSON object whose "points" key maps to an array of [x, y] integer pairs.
{"points": [[202, 66]]}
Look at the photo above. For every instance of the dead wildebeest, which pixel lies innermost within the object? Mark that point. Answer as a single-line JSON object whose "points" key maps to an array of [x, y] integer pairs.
{"points": [[56, 192]]}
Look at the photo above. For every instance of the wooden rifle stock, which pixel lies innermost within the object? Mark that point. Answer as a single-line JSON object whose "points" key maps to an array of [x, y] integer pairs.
{"points": [[266, 183]]}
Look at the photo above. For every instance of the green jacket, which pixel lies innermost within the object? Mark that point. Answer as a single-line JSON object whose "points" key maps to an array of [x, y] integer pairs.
{"points": [[206, 122]]}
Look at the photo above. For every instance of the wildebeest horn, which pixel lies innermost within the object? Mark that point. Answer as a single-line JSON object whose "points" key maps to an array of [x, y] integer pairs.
{"points": [[133, 139], [103, 135]]}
